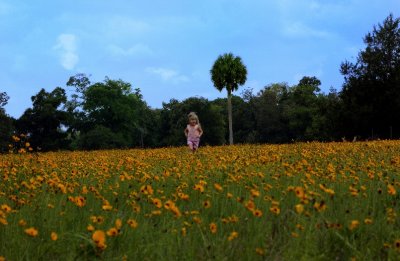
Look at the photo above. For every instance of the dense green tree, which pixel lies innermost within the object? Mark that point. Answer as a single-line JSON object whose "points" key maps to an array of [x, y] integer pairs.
{"points": [[3, 101], [44, 122], [6, 131], [243, 113], [327, 123], [174, 120], [228, 72], [301, 109], [268, 109], [6, 123], [371, 91], [114, 108]]}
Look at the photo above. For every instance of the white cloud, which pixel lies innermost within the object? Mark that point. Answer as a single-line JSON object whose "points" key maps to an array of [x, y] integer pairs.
{"points": [[67, 48], [168, 75], [298, 29], [135, 50]]}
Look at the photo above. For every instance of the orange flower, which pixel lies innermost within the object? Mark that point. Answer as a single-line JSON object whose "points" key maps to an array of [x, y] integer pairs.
{"points": [[218, 187], [80, 201], [6, 208], [184, 231], [112, 232], [320, 206], [276, 210], [397, 244], [168, 204], [299, 208], [107, 207], [368, 221], [250, 205], [299, 192], [3, 221], [54, 236], [294, 234], [260, 251], [156, 212], [118, 223], [199, 187], [391, 190], [22, 222], [97, 219], [213, 228], [354, 224], [157, 202], [183, 196], [299, 226], [233, 235], [132, 223], [99, 238], [257, 213], [31, 232], [147, 190], [90, 228], [197, 220], [255, 193], [207, 204]]}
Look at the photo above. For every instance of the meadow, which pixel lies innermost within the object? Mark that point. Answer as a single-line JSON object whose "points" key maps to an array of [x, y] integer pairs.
{"points": [[301, 201]]}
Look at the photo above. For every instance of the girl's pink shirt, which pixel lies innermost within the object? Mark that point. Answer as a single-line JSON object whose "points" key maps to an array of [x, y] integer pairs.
{"points": [[193, 131]]}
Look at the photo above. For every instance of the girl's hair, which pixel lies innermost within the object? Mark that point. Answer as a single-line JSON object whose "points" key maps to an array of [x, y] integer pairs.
{"points": [[193, 115]]}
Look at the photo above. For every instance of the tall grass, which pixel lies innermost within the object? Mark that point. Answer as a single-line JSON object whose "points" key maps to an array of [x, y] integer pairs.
{"points": [[305, 201]]}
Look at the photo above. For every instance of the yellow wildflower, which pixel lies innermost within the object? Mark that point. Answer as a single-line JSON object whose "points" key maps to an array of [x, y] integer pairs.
{"points": [[132, 223], [112, 232], [99, 238], [33, 232], [233, 235], [354, 224], [213, 228], [54, 236]]}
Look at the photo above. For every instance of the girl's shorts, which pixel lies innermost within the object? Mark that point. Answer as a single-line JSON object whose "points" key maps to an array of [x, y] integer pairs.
{"points": [[194, 143]]}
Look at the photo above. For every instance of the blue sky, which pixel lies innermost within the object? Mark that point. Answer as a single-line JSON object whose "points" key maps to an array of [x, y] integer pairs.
{"points": [[167, 48]]}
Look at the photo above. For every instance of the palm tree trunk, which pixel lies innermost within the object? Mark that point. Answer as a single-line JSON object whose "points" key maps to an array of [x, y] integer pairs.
{"points": [[230, 117]]}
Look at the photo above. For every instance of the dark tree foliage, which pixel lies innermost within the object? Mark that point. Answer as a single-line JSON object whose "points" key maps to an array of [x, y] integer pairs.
{"points": [[113, 111], [6, 131], [371, 92], [269, 103], [174, 120], [300, 109], [43, 123], [6, 123], [242, 112], [3, 100]]}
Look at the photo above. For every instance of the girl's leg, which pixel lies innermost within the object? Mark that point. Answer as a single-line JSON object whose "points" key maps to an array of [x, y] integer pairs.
{"points": [[190, 144], [195, 145]]}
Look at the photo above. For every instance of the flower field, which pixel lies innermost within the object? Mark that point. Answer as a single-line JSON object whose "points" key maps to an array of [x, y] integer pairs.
{"points": [[303, 201]]}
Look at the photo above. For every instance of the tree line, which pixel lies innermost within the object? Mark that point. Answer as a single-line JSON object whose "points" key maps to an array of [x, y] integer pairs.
{"points": [[112, 114]]}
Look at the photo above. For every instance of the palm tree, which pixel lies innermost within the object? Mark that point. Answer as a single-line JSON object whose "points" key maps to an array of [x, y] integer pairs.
{"points": [[228, 72]]}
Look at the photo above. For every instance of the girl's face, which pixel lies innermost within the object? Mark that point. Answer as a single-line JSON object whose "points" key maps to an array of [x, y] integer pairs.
{"points": [[192, 122]]}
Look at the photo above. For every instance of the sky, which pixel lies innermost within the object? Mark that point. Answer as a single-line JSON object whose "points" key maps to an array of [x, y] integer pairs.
{"points": [[167, 48]]}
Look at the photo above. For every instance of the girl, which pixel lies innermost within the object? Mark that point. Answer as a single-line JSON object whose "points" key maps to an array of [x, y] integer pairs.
{"points": [[193, 132]]}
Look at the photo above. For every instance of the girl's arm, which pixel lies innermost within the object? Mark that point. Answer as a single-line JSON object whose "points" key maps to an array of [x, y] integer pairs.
{"points": [[200, 130], [186, 131]]}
